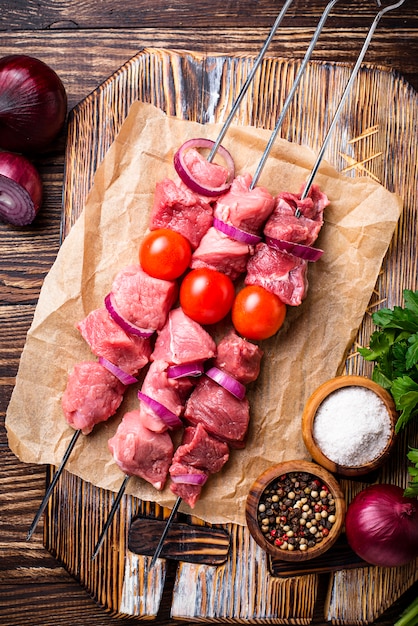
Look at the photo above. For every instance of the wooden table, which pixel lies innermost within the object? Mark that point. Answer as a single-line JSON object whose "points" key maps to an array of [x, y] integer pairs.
{"points": [[85, 42]]}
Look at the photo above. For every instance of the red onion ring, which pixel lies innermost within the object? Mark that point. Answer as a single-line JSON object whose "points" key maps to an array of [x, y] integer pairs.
{"points": [[127, 326], [124, 377], [168, 417], [227, 381], [185, 369], [308, 253], [236, 233], [190, 479], [188, 178]]}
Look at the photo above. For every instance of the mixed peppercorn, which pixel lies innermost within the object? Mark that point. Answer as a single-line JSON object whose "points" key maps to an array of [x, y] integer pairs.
{"points": [[296, 511]]}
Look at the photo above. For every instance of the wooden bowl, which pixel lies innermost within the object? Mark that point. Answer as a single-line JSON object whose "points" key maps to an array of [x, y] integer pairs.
{"points": [[310, 412], [267, 481]]}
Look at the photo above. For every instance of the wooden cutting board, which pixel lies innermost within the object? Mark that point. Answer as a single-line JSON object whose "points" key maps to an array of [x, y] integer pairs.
{"points": [[376, 135]]}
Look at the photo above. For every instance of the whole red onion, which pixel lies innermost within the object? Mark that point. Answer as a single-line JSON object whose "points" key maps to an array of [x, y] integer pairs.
{"points": [[33, 104], [382, 526], [20, 189]]}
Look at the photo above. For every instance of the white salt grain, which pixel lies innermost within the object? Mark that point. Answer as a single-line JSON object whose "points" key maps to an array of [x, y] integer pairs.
{"points": [[352, 426]]}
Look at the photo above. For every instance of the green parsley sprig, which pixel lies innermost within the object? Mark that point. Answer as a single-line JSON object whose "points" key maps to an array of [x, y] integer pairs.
{"points": [[394, 350]]}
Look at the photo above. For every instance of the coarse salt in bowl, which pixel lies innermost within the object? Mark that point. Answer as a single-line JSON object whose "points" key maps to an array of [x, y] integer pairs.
{"points": [[348, 425]]}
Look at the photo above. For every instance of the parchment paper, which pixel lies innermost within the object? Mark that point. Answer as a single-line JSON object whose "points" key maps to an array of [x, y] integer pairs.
{"points": [[309, 349]]}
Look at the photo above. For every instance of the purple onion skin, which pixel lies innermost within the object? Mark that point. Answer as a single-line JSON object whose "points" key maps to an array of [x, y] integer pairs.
{"points": [[381, 526], [33, 104]]}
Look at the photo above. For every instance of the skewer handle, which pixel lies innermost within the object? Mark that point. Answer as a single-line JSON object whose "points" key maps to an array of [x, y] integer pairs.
{"points": [[109, 520], [52, 484], [165, 531]]}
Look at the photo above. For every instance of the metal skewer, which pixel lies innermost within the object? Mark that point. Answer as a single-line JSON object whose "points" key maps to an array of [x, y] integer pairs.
{"points": [[291, 93], [52, 484], [165, 532], [111, 515], [250, 77], [341, 103], [346, 92]]}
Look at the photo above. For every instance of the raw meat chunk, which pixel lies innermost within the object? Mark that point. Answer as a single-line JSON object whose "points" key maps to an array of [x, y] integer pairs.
{"points": [[92, 395], [221, 413], [164, 390], [189, 493], [141, 452], [201, 450], [219, 252], [141, 299], [177, 207], [245, 208], [283, 223], [279, 272], [107, 339], [183, 340], [209, 174], [239, 358]]}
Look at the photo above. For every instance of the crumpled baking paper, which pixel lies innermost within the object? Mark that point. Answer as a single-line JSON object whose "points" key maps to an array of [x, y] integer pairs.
{"points": [[309, 349]]}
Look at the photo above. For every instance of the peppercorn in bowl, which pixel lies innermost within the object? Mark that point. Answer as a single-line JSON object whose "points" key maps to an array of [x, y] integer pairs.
{"points": [[348, 425], [295, 510]]}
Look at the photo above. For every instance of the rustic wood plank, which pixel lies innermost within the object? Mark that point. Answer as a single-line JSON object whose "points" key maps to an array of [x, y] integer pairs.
{"points": [[80, 14]]}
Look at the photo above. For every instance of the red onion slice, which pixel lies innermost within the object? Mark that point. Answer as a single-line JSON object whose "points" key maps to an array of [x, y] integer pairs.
{"points": [[20, 189], [124, 377], [185, 369], [168, 417], [227, 381], [127, 326], [236, 233], [190, 479], [188, 178], [308, 253]]}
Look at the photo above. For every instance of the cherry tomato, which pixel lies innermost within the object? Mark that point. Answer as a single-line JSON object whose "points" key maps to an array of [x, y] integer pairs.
{"points": [[165, 254], [206, 295], [257, 313]]}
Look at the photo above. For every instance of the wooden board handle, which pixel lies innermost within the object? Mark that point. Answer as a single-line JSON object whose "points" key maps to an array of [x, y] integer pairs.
{"points": [[184, 542]]}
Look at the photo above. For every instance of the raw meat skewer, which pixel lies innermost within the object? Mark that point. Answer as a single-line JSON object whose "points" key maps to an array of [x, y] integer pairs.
{"points": [[159, 547], [180, 341], [236, 358], [109, 341]]}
